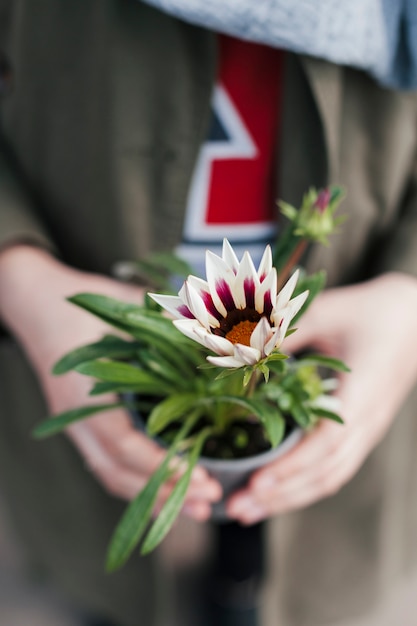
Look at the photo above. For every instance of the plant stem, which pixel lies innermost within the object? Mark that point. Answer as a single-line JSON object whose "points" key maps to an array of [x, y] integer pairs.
{"points": [[251, 386], [292, 261]]}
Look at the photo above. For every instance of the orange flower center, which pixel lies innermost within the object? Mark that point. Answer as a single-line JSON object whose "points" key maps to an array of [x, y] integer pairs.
{"points": [[241, 333]]}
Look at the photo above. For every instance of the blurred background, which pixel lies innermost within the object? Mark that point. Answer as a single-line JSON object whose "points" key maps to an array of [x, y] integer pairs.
{"points": [[26, 599]]}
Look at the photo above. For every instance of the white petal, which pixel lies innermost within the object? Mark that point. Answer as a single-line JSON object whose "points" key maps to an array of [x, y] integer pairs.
{"points": [[196, 305], [172, 304], [229, 256], [296, 303], [221, 280], [265, 265], [282, 321], [261, 335], [203, 289], [219, 345], [248, 355], [269, 284], [274, 342], [225, 361], [286, 292], [188, 328], [246, 284]]}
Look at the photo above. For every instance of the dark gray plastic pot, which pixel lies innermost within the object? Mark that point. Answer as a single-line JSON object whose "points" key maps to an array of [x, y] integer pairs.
{"points": [[234, 473]]}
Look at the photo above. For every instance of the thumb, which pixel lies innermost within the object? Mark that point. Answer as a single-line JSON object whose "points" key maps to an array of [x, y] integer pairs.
{"points": [[318, 327]]}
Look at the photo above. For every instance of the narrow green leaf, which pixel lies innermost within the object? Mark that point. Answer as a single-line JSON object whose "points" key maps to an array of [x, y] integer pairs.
{"points": [[325, 361], [135, 519], [138, 514], [271, 417], [170, 409], [173, 505], [160, 366], [247, 376], [226, 373], [265, 371], [110, 347], [327, 414], [109, 387], [155, 324], [300, 414], [58, 422], [113, 371], [108, 309], [277, 356]]}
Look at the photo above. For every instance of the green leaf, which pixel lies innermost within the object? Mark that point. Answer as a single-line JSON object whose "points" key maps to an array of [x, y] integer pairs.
{"points": [[300, 414], [226, 373], [58, 422], [325, 361], [137, 515], [264, 369], [169, 262], [247, 376], [110, 347], [135, 519], [159, 365], [268, 414], [119, 388], [273, 421], [327, 414], [113, 371], [172, 506], [288, 210], [108, 309], [170, 409], [276, 356], [155, 324]]}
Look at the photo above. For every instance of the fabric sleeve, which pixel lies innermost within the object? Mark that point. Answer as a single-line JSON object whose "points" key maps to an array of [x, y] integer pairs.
{"points": [[398, 252], [18, 220]]}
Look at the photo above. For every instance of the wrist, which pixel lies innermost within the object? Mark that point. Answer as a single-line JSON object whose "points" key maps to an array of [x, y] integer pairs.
{"points": [[26, 273]]}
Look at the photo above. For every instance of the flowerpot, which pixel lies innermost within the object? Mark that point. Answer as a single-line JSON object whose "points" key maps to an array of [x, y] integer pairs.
{"points": [[232, 474]]}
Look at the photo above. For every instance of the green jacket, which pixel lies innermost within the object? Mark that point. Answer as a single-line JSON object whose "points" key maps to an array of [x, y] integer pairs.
{"points": [[101, 121]]}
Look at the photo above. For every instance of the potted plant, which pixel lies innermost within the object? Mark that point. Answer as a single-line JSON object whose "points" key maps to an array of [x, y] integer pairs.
{"points": [[205, 369]]}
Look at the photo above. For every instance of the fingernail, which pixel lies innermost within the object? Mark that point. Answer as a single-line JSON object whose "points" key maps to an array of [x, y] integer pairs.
{"points": [[264, 482], [199, 474], [256, 515], [197, 513], [242, 506]]}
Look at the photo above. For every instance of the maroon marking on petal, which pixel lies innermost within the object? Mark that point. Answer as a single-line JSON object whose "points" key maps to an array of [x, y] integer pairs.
{"points": [[225, 295], [267, 304], [262, 277], [185, 311], [249, 288], [209, 304]]}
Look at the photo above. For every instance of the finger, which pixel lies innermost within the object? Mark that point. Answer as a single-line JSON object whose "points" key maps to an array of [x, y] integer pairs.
{"points": [[129, 448], [124, 462], [312, 449], [299, 491]]}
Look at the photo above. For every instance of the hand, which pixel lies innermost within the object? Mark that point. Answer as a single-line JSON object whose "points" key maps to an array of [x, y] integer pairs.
{"points": [[33, 288], [371, 326]]}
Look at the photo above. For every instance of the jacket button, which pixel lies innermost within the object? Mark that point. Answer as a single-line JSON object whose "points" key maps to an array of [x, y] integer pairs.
{"points": [[5, 75]]}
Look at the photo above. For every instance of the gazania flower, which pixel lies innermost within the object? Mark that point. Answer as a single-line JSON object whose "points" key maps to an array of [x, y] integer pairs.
{"points": [[236, 312]]}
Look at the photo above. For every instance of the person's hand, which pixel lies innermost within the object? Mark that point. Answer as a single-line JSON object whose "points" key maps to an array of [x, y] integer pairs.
{"points": [[33, 288], [371, 326]]}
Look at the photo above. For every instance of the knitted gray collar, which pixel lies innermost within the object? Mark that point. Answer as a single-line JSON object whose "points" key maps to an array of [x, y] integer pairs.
{"points": [[378, 36]]}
